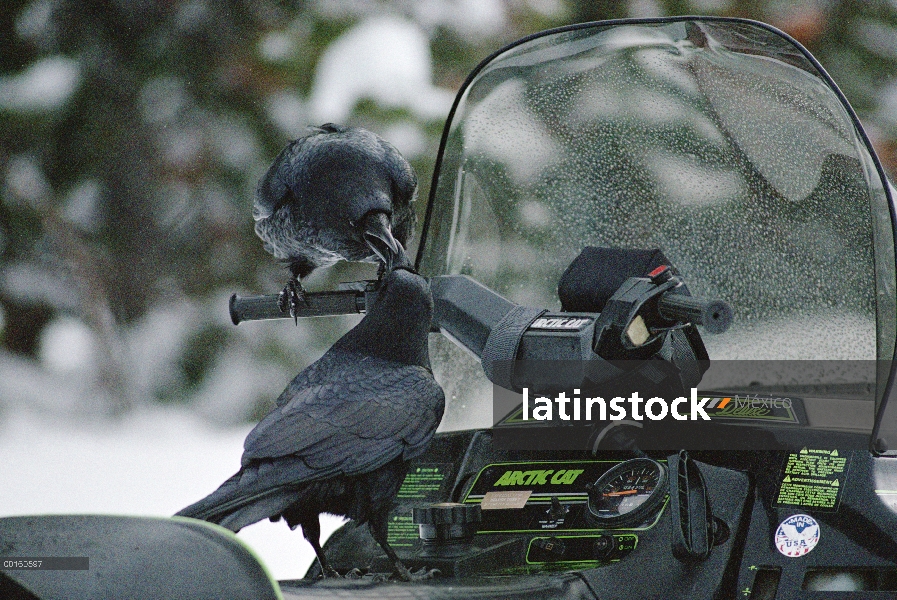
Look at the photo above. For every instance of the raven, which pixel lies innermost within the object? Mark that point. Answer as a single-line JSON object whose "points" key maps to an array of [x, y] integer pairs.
{"points": [[343, 431], [337, 193]]}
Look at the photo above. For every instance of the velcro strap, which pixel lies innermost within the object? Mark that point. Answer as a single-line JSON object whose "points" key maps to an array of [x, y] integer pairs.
{"points": [[502, 344]]}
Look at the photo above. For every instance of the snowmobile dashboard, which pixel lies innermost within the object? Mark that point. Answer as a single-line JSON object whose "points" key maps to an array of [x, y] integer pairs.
{"points": [[609, 525]]}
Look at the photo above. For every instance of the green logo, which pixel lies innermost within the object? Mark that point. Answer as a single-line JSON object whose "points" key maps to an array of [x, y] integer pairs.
{"points": [[561, 477]]}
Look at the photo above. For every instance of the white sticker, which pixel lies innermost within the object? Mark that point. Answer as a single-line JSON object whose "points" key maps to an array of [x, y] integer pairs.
{"points": [[797, 535], [504, 500]]}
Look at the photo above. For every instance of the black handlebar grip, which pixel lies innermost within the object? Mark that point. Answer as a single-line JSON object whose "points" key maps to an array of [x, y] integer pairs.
{"points": [[315, 304], [714, 315], [254, 308]]}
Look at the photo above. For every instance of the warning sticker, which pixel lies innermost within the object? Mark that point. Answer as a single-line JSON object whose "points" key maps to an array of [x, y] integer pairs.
{"points": [[424, 481], [813, 478], [402, 532]]}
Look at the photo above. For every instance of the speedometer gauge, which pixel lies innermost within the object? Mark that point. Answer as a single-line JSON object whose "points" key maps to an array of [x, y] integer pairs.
{"points": [[627, 493]]}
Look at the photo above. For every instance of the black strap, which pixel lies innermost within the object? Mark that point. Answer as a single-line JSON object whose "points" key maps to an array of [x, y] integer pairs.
{"points": [[502, 344]]}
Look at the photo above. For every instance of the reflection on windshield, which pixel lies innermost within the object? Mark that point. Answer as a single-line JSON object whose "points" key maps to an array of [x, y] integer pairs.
{"points": [[717, 142]]}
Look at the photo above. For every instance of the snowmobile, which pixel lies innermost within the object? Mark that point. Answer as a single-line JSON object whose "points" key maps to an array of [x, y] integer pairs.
{"points": [[682, 209]]}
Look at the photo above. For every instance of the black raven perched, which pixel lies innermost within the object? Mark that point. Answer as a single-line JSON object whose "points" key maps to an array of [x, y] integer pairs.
{"points": [[343, 431], [337, 193]]}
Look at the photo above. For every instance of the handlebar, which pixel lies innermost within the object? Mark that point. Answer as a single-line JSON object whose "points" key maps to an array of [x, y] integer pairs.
{"points": [[316, 304], [714, 315]]}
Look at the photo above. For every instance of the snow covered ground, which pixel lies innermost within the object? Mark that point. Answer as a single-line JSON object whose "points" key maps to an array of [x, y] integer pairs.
{"points": [[152, 463]]}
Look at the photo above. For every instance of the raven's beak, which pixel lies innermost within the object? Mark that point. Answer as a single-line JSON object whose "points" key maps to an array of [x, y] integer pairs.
{"points": [[378, 235]]}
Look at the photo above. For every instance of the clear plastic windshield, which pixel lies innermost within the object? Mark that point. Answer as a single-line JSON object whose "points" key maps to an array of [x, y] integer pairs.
{"points": [[717, 141]]}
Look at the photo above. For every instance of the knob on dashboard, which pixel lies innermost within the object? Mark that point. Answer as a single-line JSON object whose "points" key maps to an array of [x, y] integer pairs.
{"points": [[447, 522], [603, 546]]}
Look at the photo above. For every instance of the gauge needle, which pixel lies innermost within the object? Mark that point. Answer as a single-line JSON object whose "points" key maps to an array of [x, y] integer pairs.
{"points": [[623, 493]]}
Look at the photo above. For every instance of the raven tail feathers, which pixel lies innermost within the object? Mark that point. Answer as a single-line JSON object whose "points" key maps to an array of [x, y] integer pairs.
{"points": [[232, 507]]}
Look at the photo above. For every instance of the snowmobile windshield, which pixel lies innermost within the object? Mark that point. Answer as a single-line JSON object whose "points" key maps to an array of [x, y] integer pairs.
{"points": [[719, 141]]}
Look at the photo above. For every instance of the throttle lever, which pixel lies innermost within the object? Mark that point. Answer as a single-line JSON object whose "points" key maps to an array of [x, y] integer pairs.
{"points": [[694, 528]]}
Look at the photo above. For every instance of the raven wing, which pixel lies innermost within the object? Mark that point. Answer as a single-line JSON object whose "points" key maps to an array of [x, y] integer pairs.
{"points": [[349, 414]]}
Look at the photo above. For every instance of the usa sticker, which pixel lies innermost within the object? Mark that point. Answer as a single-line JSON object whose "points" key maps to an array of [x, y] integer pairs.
{"points": [[797, 535]]}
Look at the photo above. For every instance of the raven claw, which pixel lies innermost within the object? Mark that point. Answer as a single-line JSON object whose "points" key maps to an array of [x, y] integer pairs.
{"points": [[290, 297], [330, 573]]}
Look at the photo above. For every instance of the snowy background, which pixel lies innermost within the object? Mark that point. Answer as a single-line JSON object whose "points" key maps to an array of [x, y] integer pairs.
{"points": [[131, 138]]}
